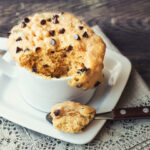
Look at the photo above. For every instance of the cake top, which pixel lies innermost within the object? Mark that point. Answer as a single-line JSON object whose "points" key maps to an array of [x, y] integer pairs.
{"points": [[57, 45]]}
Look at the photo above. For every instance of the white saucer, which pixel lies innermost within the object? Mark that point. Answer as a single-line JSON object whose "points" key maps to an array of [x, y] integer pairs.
{"points": [[13, 107]]}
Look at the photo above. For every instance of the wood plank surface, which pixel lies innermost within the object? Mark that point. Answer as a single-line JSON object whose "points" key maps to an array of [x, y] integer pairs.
{"points": [[125, 22]]}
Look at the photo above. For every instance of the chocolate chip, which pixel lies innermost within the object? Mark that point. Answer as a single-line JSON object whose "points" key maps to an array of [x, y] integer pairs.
{"points": [[80, 27], [64, 55], [57, 76], [85, 35], [37, 49], [55, 19], [55, 16], [49, 19], [53, 42], [52, 52], [9, 33], [97, 83], [76, 37], [26, 20], [79, 85], [85, 70], [57, 112], [45, 65], [69, 48], [26, 50], [43, 22], [23, 25], [52, 32], [34, 69], [61, 31], [18, 49], [19, 39]]}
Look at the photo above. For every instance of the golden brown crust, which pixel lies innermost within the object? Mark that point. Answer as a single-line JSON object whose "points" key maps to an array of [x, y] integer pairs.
{"points": [[71, 117], [58, 45]]}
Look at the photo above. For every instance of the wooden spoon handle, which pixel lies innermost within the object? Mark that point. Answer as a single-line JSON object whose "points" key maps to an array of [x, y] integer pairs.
{"points": [[131, 113]]}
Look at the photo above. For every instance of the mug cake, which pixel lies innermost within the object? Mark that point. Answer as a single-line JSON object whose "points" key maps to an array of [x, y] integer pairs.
{"points": [[58, 45]]}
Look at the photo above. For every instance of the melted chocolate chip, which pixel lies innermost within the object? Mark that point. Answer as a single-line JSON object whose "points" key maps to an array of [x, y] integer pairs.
{"points": [[80, 27], [26, 20], [61, 31], [34, 69], [52, 32], [69, 48], [53, 42], [49, 19], [43, 22], [26, 50], [57, 112], [85, 35], [23, 25], [79, 85], [37, 49], [19, 39], [18, 49], [96, 84], [52, 52], [45, 65], [76, 37]]}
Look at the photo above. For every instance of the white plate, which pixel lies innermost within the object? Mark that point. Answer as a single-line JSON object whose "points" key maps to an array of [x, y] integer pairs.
{"points": [[13, 107]]}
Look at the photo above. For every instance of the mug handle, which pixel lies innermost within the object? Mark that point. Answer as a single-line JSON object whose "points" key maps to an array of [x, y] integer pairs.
{"points": [[114, 74], [5, 67]]}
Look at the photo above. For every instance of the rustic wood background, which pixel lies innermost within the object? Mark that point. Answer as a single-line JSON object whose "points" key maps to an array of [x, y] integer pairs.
{"points": [[125, 22]]}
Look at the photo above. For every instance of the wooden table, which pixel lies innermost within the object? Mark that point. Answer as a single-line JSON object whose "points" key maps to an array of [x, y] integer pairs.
{"points": [[125, 22]]}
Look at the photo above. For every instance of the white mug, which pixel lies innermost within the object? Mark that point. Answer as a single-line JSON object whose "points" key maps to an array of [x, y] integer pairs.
{"points": [[42, 93]]}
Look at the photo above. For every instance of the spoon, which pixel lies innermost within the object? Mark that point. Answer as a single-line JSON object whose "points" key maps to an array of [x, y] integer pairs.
{"points": [[119, 114]]}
